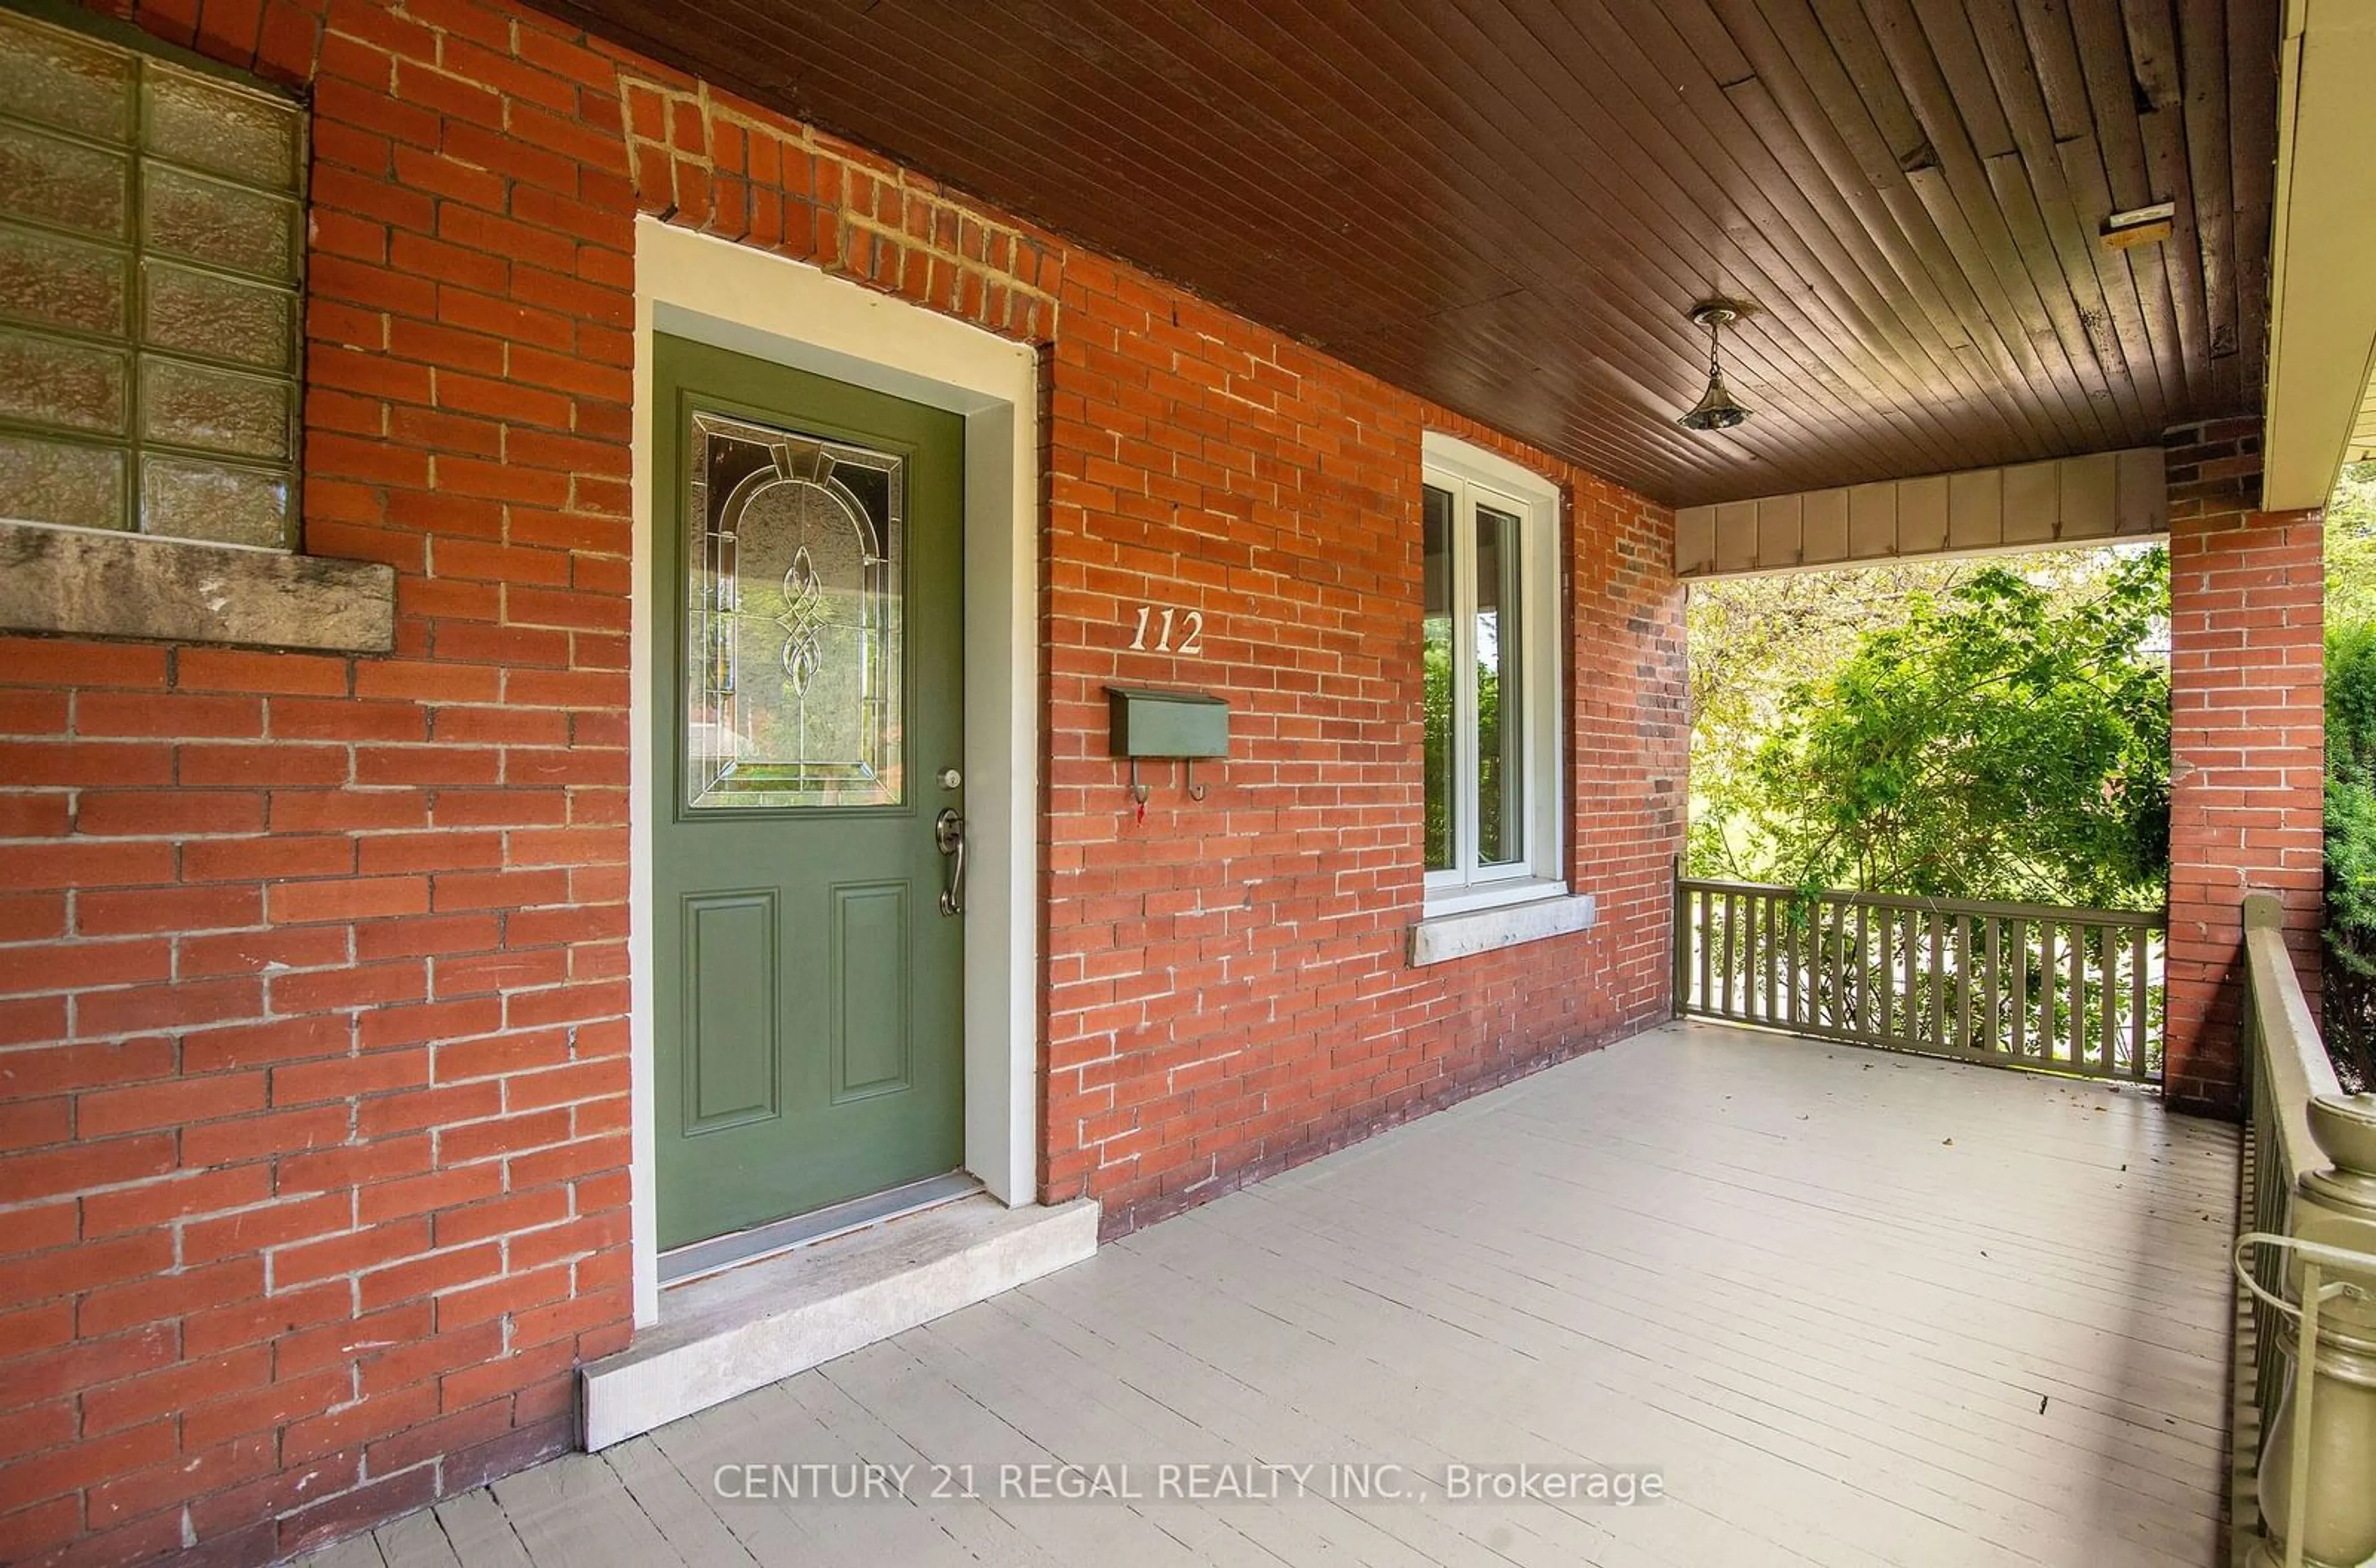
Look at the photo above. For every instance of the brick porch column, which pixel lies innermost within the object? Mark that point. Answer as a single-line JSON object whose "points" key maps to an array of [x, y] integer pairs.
{"points": [[2246, 740]]}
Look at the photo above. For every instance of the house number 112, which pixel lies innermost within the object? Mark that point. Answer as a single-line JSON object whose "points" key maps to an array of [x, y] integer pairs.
{"points": [[1191, 624]]}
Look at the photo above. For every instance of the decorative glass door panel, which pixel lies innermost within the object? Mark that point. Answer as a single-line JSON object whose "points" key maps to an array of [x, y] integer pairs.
{"points": [[795, 642]]}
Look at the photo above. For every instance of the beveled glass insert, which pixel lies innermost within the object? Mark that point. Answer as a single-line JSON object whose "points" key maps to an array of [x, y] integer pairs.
{"points": [[223, 319], [192, 405], [63, 80], [63, 183], [214, 125], [51, 281], [795, 649], [70, 386], [191, 498], [221, 224], [61, 481]]}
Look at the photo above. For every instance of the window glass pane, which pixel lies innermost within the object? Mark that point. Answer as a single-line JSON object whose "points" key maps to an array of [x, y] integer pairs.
{"points": [[190, 405], [214, 125], [50, 74], [60, 481], [1435, 625], [1500, 776], [220, 224], [223, 319], [51, 281], [188, 498], [63, 183], [70, 386]]}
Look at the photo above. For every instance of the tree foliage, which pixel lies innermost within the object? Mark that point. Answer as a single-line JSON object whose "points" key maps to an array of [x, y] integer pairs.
{"points": [[1437, 711], [2351, 548], [2351, 792], [2351, 772], [1753, 644], [2005, 736]]}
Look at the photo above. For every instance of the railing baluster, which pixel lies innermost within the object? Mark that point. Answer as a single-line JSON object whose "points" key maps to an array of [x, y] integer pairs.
{"points": [[1731, 923], [1856, 1018], [1823, 1000], [1859, 979], [1754, 996], [2075, 962], [2078, 968], [1991, 1022], [1740, 916], [1876, 991], [1909, 1027], [2046, 1030], [1790, 935], [2018, 1045], [1963, 932], [1883, 1019], [1937, 1003], [1679, 941], [2141, 944], [1853, 1001], [1835, 939], [1772, 956], [1897, 944], [1707, 946], [2108, 1008]]}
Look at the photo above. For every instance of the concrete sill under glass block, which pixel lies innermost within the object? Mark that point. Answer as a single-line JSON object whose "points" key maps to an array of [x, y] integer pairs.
{"points": [[87, 582]]}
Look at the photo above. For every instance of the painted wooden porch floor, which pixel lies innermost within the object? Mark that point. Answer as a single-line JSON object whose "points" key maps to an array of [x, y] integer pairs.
{"points": [[1855, 1308]]}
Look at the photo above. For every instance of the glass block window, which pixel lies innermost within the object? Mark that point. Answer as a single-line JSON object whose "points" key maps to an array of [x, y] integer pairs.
{"points": [[151, 248]]}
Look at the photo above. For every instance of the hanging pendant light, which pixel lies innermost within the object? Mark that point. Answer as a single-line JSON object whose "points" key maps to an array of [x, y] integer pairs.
{"points": [[1717, 410]]}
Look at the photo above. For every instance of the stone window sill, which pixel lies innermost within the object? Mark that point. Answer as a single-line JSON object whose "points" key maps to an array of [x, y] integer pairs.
{"points": [[89, 582], [1441, 938]]}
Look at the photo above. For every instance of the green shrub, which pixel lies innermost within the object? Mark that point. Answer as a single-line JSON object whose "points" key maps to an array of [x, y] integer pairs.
{"points": [[2351, 847], [1998, 740]]}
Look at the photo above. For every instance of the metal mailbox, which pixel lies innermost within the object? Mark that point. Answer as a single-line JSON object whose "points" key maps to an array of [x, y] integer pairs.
{"points": [[1168, 724]]}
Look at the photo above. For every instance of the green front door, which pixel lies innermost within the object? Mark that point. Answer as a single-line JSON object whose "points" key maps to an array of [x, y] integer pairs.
{"points": [[809, 707]]}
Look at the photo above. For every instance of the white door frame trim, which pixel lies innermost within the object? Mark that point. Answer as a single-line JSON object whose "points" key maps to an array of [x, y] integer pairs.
{"points": [[755, 302]]}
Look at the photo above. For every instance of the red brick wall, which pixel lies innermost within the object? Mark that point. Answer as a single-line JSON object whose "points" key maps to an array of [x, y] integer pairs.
{"points": [[1226, 988], [312, 1073], [316, 1073], [2246, 740]]}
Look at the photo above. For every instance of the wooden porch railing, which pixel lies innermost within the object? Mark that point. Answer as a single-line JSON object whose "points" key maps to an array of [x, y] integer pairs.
{"points": [[2303, 1491], [2285, 1068], [2016, 985]]}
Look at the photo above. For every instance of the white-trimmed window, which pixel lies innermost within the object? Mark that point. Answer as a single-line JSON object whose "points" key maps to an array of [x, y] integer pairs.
{"points": [[1491, 700]]}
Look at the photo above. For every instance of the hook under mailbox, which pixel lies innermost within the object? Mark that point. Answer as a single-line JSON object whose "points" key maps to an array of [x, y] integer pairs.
{"points": [[1188, 726]]}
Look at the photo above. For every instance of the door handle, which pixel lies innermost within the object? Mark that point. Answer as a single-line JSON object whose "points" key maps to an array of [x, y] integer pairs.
{"points": [[948, 832]]}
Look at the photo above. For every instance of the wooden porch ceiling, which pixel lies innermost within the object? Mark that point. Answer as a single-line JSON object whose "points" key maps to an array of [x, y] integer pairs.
{"points": [[1507, 205]]}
